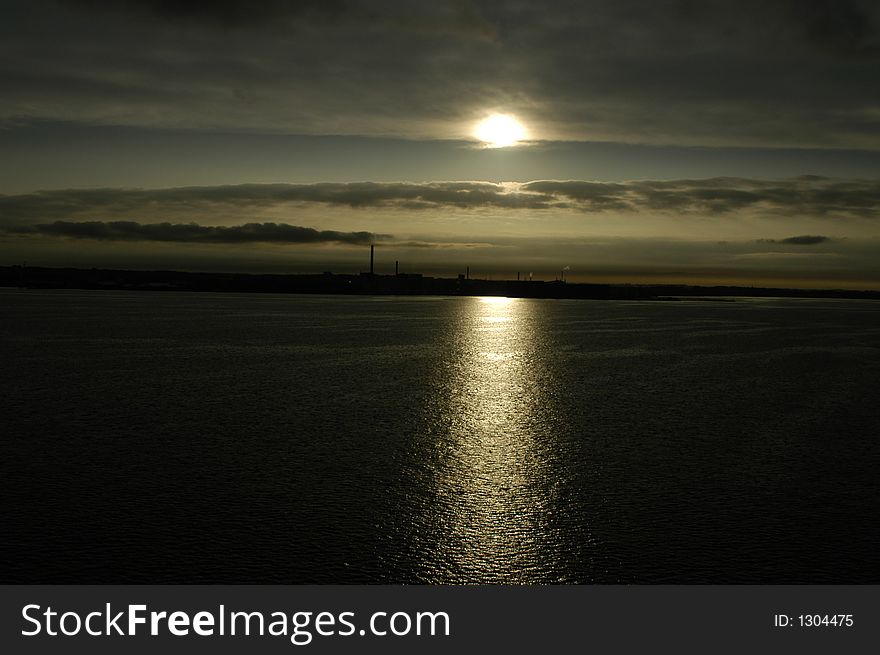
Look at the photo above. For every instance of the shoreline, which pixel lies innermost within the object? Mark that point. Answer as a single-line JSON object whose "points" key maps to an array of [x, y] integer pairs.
{"points": [[31, 277]]}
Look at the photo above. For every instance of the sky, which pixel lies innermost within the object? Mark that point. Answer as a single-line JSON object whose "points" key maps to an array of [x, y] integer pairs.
{"points": [[664, 141]]}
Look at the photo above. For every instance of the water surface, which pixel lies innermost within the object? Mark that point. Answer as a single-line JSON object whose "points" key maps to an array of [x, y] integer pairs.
{"points": [[174, 437]]}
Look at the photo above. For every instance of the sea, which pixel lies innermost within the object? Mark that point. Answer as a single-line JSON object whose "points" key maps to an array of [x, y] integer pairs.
{"points": [[160, 437]]}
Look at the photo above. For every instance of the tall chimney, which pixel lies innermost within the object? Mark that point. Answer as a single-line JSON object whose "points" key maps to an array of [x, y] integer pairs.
{"points": [[396, 262], [372, 247], [467, 274]]}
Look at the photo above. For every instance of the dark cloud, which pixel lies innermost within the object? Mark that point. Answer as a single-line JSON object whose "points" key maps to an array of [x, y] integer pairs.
{"points": [[192, 233], [803, 240], [224, 13], [711, 72], [60, 204], [804, 196], [840, 25], [593, 196], [292, 15], [808, 195]]}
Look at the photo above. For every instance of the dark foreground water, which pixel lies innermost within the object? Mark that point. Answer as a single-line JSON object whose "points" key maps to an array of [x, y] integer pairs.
{"points": [[248, 438]]}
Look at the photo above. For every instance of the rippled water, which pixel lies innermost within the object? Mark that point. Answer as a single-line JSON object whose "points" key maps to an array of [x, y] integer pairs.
{"points": [[248, 438]]}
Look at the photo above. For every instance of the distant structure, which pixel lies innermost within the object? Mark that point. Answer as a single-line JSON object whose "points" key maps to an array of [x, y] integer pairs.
{"points": [[396, 267], [372, 248]]}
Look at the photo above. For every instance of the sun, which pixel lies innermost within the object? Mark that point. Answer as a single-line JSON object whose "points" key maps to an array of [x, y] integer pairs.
{"points": [[500, 131]]}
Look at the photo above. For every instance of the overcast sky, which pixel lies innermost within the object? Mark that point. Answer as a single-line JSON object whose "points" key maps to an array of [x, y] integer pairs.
{"points": [[688, 140]]}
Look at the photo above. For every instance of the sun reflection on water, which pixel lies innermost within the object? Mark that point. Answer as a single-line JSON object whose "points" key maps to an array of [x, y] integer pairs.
{"points": [[494, 483]]}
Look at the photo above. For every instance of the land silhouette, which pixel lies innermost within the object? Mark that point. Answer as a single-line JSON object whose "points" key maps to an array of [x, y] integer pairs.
{"points": [[373, 284]]}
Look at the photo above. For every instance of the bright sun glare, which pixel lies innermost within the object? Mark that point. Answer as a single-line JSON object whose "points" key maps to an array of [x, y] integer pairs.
{"points": [[500, 131]]}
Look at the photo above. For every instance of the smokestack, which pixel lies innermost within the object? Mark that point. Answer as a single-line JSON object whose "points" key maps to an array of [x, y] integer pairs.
{"points": [[372, 247], [396, 271], [467, 275]]}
